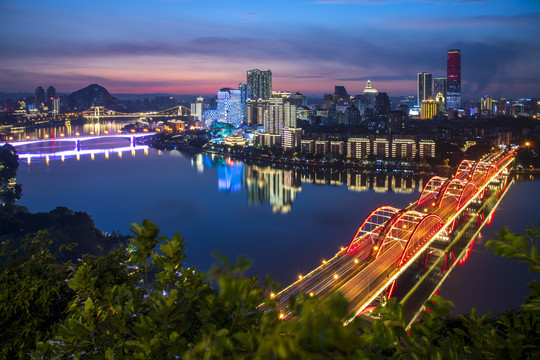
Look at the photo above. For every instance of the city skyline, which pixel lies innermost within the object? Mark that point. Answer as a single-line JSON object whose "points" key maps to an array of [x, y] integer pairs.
{"points": [[187, 47]]}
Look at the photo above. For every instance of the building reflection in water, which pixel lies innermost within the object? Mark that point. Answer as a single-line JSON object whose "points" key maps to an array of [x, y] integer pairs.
{"points": [[279, 187]]}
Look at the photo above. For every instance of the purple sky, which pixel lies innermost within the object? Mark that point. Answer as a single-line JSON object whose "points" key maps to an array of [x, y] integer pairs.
{"points": [[196, 47]]}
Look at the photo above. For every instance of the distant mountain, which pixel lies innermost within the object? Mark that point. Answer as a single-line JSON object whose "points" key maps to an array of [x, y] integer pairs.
{"points": [[93, 95]]}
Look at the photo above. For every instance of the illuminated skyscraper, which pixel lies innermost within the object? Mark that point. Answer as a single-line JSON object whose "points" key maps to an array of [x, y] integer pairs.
{"points": [[439, 87], [259, 84], [423, 88], [369, 95], [229, 109], [453, 76]]}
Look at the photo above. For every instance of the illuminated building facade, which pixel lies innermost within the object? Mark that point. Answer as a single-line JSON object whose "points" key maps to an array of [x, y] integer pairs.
{"points": [[321, 147], [439, 89], [229, 107], [381, 147], [426, 148], [197, 108], [337, 148], [358, 148], [453, 76], [369, 95], [307, 146], [423, 87], [259, 84], [403, 148], [291, 138], [428, 109], [486, 104]]}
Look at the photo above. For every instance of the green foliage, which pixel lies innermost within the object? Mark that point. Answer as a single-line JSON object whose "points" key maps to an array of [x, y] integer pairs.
{"points": [[139, 319], [10, 191], [33, 293], [118, 313]]}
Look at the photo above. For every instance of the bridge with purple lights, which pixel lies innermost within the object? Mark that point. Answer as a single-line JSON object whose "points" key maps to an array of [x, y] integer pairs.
{"points": [[78, 151], [389, 240]]}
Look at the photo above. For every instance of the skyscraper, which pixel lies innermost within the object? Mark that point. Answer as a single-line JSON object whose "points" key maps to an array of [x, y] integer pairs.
{"points": [[423, 90], [453, 76], [259, 84], [51, 95], [40, 97], [369, 94], [229, 109]]}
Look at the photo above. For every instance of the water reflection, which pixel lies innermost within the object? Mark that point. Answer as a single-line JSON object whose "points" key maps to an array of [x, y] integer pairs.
{"points": [[279, 187], [67, 129]]}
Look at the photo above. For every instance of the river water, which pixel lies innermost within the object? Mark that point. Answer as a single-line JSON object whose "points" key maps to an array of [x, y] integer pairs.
{"points": [[286, 221]]}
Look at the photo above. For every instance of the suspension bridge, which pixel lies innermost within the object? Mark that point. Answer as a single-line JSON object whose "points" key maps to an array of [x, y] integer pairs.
{"points": [[101, 113], [389, 240]]}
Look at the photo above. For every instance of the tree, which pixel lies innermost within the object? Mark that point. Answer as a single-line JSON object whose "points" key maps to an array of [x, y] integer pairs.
{"points": [[178, 315], [33, 293], [10, 191]]}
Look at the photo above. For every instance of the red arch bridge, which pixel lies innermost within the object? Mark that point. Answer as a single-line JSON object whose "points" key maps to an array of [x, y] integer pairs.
{"points": [[389, 240]]}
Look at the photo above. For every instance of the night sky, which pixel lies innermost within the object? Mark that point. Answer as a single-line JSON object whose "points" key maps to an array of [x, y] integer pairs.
{"points": [[196, 47]]}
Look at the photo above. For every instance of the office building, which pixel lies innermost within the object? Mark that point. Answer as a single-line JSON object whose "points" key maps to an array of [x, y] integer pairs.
{"points": [[426, 148], [439, 90], [369, 95], [259, 84], [51, 95], [403, 148], [423, 88], [291, 138], [197, 108], [381, 147], [243, 100], [382, 105], [229, 109], [358, 148], [428, 109], [453, 77], [40, 97], [397, 122]]}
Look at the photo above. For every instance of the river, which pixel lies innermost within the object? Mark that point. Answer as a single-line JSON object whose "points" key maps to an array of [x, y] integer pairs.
{"points": [[286, 221]]}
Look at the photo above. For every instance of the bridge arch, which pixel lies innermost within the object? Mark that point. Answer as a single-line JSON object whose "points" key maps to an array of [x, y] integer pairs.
{"points": [[425, 229], [469, 190], [480, 171], [397, 229], [373, 224], [431, 190], [464, 167]]}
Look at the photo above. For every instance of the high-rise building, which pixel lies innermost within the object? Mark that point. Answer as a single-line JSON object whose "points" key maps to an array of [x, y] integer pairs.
{"points": [[369, 95], [428, 109], [340, 94], [40, 97], [197, 108], [51, 95], [453, 76], [243, 100], [229, 109], [439, 91], [259, 84], [382, 105], [291, 138], [279, 115], [423, 88]]}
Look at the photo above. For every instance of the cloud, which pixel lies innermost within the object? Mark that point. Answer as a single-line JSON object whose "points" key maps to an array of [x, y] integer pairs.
{"points": [[380, 78], [443, 22], [253, 14]]}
